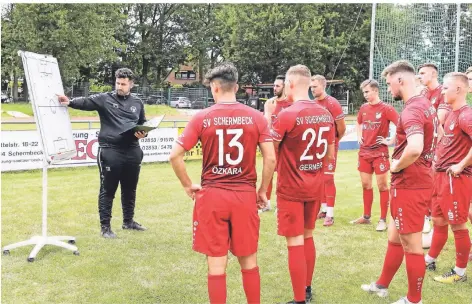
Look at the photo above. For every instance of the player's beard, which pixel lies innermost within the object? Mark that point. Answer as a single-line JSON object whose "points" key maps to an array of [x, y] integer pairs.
{"points": [[279, 94], [397, 97]]}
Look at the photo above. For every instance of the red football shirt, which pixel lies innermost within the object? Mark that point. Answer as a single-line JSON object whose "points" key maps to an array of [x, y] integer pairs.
{"points": [[334, 108], [229, 133], [375, 121], [279, 106], [456, 141], [436, 98], [418, 117], [305, 131]]}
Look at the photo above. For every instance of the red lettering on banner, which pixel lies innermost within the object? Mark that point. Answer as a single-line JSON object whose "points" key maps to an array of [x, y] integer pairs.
{"points": [[80, 146], [89, 149]]}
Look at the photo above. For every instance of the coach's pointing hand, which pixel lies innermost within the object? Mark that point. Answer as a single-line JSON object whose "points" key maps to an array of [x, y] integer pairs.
{"points": [[64, 100], [192, 190]]}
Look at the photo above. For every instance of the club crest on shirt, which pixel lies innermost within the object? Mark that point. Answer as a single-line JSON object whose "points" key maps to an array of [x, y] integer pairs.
{"points": [[382, 167], [115, 105], [451, 127], [378, 115], [133, 109]]}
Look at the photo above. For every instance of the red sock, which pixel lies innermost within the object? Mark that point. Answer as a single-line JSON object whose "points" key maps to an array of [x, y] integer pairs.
{"points": [[217, 288], [462, 240], [330, 190], [252, 285], [310, 258], [384, 199], [438, 241], [393, 261], [368, 200], [297, 268], [415, 270], [269, 189]]}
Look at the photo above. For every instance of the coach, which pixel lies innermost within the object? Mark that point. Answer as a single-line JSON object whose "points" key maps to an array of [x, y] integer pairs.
{"points": [[119, 154]]}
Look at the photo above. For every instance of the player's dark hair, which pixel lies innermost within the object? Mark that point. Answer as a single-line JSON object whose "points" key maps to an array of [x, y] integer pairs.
{"points": [[124, 73], [428, 65], [398, 67], [226, 74], [280, 77], [371, 83]]}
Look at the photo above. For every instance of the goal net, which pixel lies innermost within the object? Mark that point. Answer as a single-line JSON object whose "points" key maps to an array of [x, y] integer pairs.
{"points": [[421, 33]]}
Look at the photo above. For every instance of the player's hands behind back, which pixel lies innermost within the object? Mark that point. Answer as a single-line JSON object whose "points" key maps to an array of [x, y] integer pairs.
{"points": [[192, 190], [261, 199], [455, 170]]}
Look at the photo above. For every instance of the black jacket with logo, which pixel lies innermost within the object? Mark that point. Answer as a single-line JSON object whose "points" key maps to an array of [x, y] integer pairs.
{"points": [[118, 115]]}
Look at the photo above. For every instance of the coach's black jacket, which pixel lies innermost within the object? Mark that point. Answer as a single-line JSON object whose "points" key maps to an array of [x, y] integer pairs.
{"points": [[118, 115]]}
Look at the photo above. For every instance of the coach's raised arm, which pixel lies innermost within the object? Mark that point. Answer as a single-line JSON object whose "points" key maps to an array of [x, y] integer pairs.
{"points": [[119, 154]]}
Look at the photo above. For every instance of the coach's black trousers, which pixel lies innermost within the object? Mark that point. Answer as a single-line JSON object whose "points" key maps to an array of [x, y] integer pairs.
{"points": [[118, 165]]}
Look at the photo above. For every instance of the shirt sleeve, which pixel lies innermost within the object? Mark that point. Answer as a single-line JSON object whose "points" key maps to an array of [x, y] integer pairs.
{"points": [[465, 123], [392, 115], [413, 122], [280, 126], [191, 134], [332, 133], [359, 117], [336, 110], [264, 130]]}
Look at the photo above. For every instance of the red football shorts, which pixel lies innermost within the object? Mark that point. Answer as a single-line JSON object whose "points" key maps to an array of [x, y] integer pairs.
{"points": [[454, 206], [330, 167], [225, 220], [294, 217], [369, 165], [408, 208]]}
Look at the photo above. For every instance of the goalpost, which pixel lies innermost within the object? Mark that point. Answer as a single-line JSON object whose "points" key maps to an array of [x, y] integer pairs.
{"points": [[420, 33]]}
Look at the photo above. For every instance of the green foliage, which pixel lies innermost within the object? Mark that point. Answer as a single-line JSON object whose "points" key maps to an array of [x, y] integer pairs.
{"points": [[99, 87]]}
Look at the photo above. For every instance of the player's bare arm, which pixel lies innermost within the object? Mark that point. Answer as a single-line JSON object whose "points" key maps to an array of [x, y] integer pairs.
{"points": [[412, 152], [359, 133], [177, 161], [268, 155], [269, 108], [340, 128], [442, 116], [457, 169], [330, 154]]}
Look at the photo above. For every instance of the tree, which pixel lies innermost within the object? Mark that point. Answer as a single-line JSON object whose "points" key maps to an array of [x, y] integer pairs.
{"points": [[78, 35], [200, 28], [155, 44]]}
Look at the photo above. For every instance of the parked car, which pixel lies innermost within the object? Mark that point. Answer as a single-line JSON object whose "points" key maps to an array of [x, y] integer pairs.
{"points": [[180, 102], [156, 99], [5, 98], [199, 103]]}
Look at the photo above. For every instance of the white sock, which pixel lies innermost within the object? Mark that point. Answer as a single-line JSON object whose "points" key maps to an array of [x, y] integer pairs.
{"points": [[429, 259], [330, 211], [268, 204], [459, 271], [323, 207]]}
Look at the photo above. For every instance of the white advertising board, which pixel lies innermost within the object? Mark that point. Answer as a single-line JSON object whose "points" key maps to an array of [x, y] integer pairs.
{"points": [[21, 150]]}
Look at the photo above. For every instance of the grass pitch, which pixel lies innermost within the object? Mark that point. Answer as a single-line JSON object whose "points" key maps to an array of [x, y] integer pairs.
{"points": [[158, 265]]}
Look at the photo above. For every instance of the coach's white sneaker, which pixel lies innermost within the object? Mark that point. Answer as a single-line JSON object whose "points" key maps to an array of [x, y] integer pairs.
{"points": [[374, 288], [405, 301]]}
